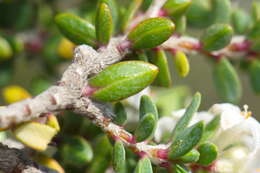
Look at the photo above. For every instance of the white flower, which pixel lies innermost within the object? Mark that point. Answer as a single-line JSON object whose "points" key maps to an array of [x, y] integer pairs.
{"points": [[237, 129]]}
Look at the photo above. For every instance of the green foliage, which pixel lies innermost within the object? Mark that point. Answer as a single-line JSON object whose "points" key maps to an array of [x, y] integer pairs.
{"points": [[76, 29], [164, 77], [76, 151], [104, 23], [226, 81], [176, 8], [241, 21], [151, 33], [122, 80], [186, 140], [211, 128], [146, 127], [119, 157], [208, 153], [144, 166], [120, 112], [190, 157], [147, 106], [221, 11], [186, 118], [5, 49], [217, 37]]}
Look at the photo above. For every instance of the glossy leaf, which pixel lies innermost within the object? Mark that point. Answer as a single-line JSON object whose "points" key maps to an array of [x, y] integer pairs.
{"points": [[76, 29], [76, 151], [211, 128], [227, 82], [104, 23], [186, 140], [190, 157], [221, 11], [122, 80], [35, 135], [129, 13], [5, 49], [208, 153], [147, 106], [121, 115], [176, 8], [241, 21], [151, 33], [144, 166], [254, 70], [181, 63], [164, 77], [186, 118], [119, 157], [217, 37], [146, 127]]}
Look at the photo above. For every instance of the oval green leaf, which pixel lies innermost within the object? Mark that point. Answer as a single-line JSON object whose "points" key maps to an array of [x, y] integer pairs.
{"points": [[186, 140], [151, 33], [221, 11], [147, 106], [217, 37], [241, 21], [122, 80], [146, 127], [208, 153], [76, 151], [227, 82], [121, 115], [104, 24], [176, 8], [76, 29], [190, 157], [5, 49], [144, 166], [164, 76], [119, 158]]}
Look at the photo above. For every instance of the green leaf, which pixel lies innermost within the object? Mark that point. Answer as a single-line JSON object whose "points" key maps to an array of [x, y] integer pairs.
{"points": [[190, 157], [187, 139], [199, 14], [226, 81], [144, 166], [181, 24], [5, 49], [185, 119], [221, 11], [176, 8], [104, 24], [241, 21], [146, 127], [151, 33], [164, 77], [76, 151], [114, 10], [217, 37], [119, 159], [121, 115], [182, 63], [211, 128], [208, 153], [122, 80], [255, 31], [76, 29], [130, 12], [146, 4], [254, 71], [147, 106], [180, 169]]}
